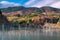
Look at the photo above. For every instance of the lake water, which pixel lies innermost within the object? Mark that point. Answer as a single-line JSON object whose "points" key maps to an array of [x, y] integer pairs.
{"points": [[33, 34]]}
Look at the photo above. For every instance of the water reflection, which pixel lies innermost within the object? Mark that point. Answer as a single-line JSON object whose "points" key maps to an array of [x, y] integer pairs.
{"points": [[36, 34]]}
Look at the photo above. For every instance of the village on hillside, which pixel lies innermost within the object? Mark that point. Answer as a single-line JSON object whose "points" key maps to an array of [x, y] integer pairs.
{"points": [[45, 19]]}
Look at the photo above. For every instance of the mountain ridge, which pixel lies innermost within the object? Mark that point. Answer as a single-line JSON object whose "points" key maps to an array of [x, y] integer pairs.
{"points": [[26, 10]]}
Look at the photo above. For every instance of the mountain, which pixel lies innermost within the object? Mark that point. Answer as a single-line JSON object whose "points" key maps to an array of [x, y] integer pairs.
{"points": [[26, 10], [19, 8], [12, 9], [50, 9]]}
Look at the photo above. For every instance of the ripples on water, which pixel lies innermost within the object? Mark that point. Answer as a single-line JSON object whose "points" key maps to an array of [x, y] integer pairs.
{"points": [[36, 34]]}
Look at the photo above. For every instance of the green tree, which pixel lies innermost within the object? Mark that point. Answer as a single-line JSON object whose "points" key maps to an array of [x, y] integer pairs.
{"points": [[18, 15]]}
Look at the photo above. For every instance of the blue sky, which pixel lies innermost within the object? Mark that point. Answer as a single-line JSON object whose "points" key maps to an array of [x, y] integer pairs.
{"points": [[30, 3]]}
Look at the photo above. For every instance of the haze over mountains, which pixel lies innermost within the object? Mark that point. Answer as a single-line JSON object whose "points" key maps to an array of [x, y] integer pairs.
{"points": [[26, 10]]}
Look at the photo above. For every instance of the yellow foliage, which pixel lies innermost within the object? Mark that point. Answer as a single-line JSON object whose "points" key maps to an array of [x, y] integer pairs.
{"points": [[11, 18], [58, 25]]}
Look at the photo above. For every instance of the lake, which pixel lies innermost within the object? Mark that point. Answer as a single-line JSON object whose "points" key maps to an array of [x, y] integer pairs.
{"points": [[31, 34]]}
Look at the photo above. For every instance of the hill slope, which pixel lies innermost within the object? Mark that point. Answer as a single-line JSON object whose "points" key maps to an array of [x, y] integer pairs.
{"points": [[26, 10]]}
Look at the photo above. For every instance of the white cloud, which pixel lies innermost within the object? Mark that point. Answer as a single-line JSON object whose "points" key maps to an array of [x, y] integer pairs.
{"points": [[33, 3], [43, 3], [8, 4], [53, 3], [56, 4], [29, 2]]}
